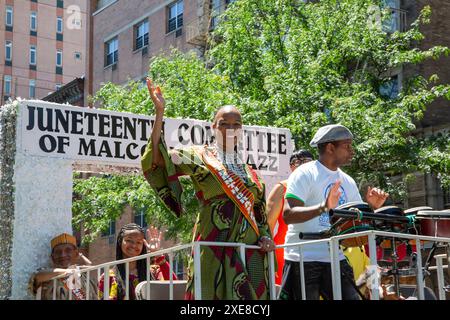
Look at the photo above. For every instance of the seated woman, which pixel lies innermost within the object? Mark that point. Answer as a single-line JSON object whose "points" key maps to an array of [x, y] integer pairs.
{"points": [[131, 243]]}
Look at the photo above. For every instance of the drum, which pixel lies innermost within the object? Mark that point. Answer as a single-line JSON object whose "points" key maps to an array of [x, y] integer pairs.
{"points": [[434, 223], [389, 225], [341, 226], [384, 254], [405, 276], [414, 227], [410, 292], [415, 210]]}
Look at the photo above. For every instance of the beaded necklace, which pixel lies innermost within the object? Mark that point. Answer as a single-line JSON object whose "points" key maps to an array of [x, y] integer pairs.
{"points": [[231, 162]]}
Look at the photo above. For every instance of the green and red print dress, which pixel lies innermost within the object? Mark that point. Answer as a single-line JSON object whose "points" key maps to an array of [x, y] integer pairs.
{"points": [[231, 209]]}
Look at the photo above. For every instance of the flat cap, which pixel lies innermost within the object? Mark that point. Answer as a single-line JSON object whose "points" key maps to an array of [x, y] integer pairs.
{"points": [[329, 133]]}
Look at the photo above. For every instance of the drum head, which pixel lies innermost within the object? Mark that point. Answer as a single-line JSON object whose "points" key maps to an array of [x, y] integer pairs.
{"points": [[417, 209], [393, 210], [361, 205], [433, 214]]}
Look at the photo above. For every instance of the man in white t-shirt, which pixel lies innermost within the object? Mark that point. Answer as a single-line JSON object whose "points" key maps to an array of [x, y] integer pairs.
{"points": [[313, 189]]}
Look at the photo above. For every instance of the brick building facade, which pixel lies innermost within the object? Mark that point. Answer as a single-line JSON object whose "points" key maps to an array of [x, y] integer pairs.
{"points": [[127, 34], [43, 46]]}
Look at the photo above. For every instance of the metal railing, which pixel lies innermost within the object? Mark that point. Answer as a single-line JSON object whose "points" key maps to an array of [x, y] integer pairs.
{"points": [[372, 234], [334, 246]]}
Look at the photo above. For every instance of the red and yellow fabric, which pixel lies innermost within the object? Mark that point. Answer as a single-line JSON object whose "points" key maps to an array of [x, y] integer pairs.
{"points": [[159, 270], [117, 286]]}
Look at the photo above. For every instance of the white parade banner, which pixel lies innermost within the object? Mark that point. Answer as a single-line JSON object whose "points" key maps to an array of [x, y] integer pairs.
{"points": [[107, 137]]}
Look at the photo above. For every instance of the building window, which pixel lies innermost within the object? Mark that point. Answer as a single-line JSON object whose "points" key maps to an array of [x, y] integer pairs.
{"points": [[33, 21], [32, 92], [103, 3], [59, 58], [9, 16], [175, 16], [397, 17], [60, 3], [59, 25], [58, 86], [216, 10], [8, 51], [139, 218], [111, 51], [7, 86], [111, 229], [33, 55], [391, 88], [141, 35]]}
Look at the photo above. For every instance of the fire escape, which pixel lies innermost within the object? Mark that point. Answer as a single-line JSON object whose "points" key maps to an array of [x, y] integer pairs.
{"points": [[208, 12]]}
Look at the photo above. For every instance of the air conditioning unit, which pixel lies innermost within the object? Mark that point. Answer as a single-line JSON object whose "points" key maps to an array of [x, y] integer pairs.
{"points": [[144, 51], [179, 32], [114, 66]]}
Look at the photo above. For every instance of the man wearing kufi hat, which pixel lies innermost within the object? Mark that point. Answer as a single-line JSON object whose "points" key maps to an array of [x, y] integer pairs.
{"points": [[66, 259], [312, 190]]}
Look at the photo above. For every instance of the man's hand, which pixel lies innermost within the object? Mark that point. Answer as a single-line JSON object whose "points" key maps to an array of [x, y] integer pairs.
{"points": [[156, 95], [333, 196], [82, 260], [70, 270], [376, 197]]}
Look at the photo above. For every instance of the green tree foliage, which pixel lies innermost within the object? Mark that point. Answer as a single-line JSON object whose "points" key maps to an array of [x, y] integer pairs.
{"points": [[296, 65], [306, 65], [100, 199]]}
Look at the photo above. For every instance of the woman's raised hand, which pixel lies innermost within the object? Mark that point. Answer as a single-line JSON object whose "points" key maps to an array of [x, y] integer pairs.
{"points": [[156, 95], [154, 237]]}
